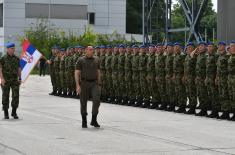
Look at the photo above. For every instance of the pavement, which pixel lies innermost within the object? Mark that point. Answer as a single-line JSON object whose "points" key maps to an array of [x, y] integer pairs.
{"points": [[50, 125]]}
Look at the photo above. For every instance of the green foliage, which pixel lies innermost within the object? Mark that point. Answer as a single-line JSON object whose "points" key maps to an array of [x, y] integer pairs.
{"points": [[43, 37]]}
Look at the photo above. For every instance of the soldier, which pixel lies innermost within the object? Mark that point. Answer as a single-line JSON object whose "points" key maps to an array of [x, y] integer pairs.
{"points": [[189, 79], [160, 75], [222, 79], [121, 74], [10, 76], [62, 73], [54, 51], [212, 89], [67, 79], [178, 70], [200, 79], [169, 79], [87, 75], [108, 73], [135, 76], [128, 76], [102, 70], [152, 87], [97, 51], [57, 73], [231, 77], [114, 68]]}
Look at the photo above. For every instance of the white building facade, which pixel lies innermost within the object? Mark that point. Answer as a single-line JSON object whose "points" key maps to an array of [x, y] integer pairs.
{"points": [[104, 16]]}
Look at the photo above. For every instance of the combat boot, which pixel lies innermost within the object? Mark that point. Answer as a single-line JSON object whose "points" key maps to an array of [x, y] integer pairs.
{"points": [[53, 92], [153, 105], [14, 114], [224, 115], [146, 104], [84, 121], [6, 114], [94, 121], [202, 112], [189, 111], [214, 114]]}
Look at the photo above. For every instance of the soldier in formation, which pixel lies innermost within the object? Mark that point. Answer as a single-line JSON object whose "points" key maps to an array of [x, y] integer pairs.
{"points": [[194, 80]]}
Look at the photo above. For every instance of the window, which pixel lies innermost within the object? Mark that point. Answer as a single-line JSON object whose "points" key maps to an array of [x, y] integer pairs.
{"points": [[1, 15], [56, 11], [91, 18]]}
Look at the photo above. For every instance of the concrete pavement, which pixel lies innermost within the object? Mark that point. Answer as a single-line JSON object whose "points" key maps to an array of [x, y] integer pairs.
{"points": [[50, 125]]}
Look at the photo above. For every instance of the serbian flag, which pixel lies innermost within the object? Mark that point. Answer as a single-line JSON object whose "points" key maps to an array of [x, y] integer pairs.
{"points": [[28, 59]]}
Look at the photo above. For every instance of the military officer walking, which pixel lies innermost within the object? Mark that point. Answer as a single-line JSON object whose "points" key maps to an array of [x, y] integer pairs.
{"points": [[87, 77]]}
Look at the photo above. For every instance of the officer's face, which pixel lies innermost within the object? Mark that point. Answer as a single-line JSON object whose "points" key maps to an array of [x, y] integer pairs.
{"points": [[177, 49], [202, 48], [221, 48], [89, 51], [102, 50], [159, 49], [210, 49], [135, 50], [151, 49], [142, 50], [121, 50], [190, 49], [169, 49], [11, 50], [232, 48], [115, 49]]}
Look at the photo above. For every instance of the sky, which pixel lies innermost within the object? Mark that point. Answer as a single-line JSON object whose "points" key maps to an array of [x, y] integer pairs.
{"points": [[213, 1]]}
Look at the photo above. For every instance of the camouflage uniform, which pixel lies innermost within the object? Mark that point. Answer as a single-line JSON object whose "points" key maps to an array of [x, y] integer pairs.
{"points": [[222, 77], [63, 76], [180, 91], [189, 79], [67, 80], [135, 75], [114, 68], [10, 66], [160, 77], [52, 74], [142, 77], [57, 73], [200, 81], [103, 77], [121, 75], [231, 81], [169, 81], [71, 74], [108, 74], [128, 75], [212, 89], [152, 85]]}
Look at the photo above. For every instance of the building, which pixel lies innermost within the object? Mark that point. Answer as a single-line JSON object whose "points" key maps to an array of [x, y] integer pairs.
{"points": [[226, 22], [104, 16]]}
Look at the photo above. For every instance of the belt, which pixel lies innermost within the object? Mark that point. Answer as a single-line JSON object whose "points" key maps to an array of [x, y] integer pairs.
{"points": [[89, 80]]}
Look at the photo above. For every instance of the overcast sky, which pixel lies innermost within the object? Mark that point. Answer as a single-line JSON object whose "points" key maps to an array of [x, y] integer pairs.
{"points": [[213, 1]]}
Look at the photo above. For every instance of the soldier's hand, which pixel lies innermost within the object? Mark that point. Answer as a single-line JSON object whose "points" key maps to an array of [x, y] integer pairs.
{"points": [[78, 90], [3, 82]]}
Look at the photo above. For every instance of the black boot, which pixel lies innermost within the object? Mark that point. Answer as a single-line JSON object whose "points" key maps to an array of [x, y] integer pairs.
{"points": [[53, 92], [84, 121], [94, 121], [6, 114], [14, 114]]}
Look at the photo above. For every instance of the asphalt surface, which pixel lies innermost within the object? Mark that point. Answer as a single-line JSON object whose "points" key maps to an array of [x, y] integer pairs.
{"points": [[50, 125]]}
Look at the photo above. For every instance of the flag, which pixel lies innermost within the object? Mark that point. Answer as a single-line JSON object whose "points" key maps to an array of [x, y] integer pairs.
{"points": [[28, 59]]}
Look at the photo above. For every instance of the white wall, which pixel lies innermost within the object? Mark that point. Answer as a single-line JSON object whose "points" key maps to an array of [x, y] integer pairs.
{"points": [[110, 15]]}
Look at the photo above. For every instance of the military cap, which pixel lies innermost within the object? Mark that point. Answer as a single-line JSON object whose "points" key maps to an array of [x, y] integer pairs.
{"points": [[10, 45], [210, 43], [190, 44], [151, 45], [177, 44], [108, 46], [142, 46], [202, 43], [102, 46], [121, 46], [222, 43], [97, 47], [159, 44], [169, 44], [62, 49], [134, 46], [232, 42]]}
